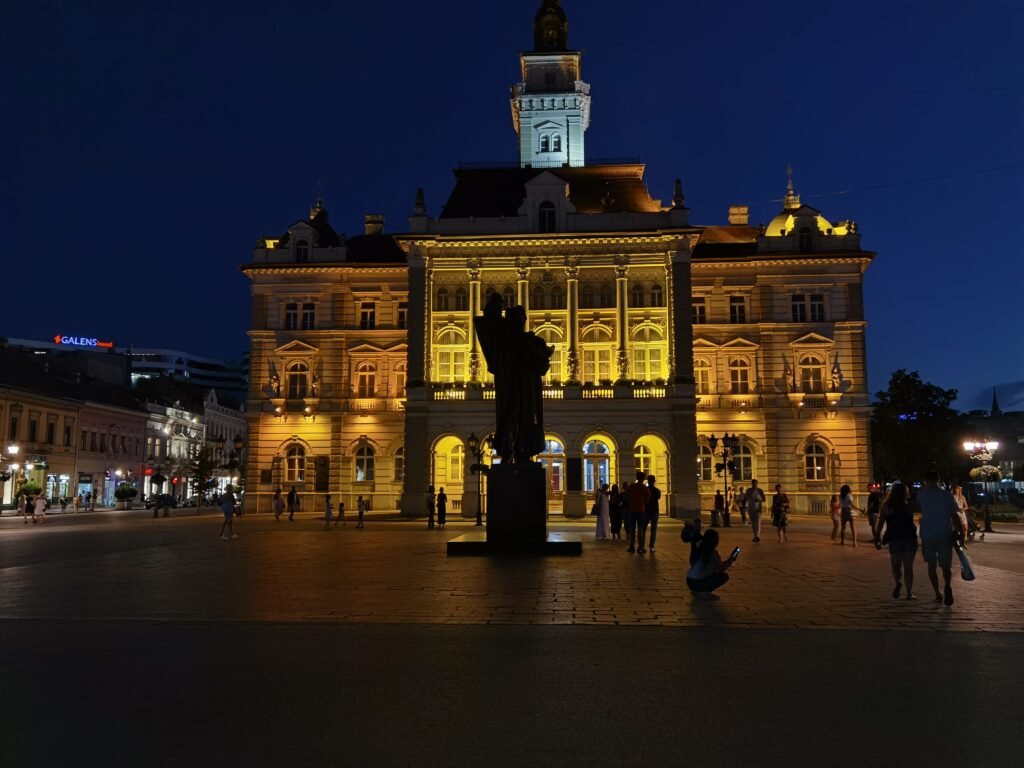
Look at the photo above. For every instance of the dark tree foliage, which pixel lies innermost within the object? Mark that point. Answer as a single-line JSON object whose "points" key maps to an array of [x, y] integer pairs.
{"points": [[201, 470], [914, 429]]}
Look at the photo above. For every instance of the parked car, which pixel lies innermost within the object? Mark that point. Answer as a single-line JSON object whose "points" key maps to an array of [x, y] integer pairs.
{"points": [[166, 501]]}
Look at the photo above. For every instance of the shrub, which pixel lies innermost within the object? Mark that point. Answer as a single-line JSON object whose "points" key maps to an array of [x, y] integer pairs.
{"points": [[125, 492]]}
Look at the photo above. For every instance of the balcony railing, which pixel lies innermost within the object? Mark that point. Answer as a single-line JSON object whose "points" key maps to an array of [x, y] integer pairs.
{"points": [[728, 402], [375, 404]]}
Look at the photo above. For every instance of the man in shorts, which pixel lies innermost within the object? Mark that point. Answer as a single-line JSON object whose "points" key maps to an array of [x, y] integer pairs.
{"points": [[938, 521]]}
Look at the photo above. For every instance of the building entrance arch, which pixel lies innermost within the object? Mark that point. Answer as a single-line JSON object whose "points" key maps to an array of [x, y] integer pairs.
{"points": [[598, 463], [553, 460], [448, 469], [651, 455]]}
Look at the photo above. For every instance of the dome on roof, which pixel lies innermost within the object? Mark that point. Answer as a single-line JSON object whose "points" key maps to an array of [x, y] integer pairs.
{"points": [[804, 216], [550, 27]]}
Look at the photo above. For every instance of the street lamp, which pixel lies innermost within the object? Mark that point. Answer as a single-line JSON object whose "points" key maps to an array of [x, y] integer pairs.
{"points": [[982, 452], [726, 467], [476, 449]]}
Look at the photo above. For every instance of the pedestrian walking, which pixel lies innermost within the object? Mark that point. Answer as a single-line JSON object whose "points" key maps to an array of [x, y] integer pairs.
{"points": [[846, 510], [615, 511], [961, 512], [875, 499], [430, 507], [277, 503], [780, 513], [227, 505], [833, 506], [39, 509], [741, 501], [63, 505], [442, 508], [603, 503], [896, 517], [328, 511], [90, 502], [755, 505], [294, 504], [707, 569], [76, 504], [341, 515], [653, 510], [360, 512], [733, 505], [719, 510], [939, 521], [636, 497]]}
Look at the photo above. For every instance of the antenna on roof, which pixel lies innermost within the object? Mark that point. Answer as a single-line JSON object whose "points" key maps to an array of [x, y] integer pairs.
{"points": [[319, 204]]}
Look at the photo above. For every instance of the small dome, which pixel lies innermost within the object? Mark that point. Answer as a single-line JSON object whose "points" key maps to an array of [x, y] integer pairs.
{"points": [[804, 216]]}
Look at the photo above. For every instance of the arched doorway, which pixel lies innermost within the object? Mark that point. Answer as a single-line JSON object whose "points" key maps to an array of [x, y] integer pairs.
{"points": [[448, 469], [553, 460], [650, 455], [598, 463]]}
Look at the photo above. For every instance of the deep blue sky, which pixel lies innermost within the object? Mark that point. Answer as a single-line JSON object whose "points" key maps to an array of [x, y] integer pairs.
{"points": [[147, 146]]}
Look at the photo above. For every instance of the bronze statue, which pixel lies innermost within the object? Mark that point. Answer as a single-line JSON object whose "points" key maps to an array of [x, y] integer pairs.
{"points": [[518, 359]]}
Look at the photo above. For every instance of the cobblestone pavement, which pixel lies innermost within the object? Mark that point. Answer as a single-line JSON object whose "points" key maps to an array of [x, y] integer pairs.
{"points": [[134, 567]]}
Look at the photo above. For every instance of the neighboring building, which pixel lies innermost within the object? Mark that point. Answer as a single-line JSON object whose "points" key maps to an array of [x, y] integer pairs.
{"points": [[174, 436], [664, 332]]}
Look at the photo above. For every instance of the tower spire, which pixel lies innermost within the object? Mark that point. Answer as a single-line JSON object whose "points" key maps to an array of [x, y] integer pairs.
{"points": [[995, 410], [792, 200]]}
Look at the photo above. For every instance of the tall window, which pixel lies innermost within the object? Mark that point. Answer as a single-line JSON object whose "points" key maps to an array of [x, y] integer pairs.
{"points": [[737, 309], [545, 142], [33, 429], [367, 315], [817, 308], [301, 251], [744, 459], [461, 299], [557, 298], [400, 381], [308, 317], [556, 143], [67, 437], [508, 296], [702, 377], [366, 380], [598, 347], [546, 216], [587, 296], [705, 463], [643, 459], [537, 298], [51, 433], [442, 300], [402, 321], [552, 338], [814, 462], [636, 296], [648, 353], [456, 463], [365, 457], [295, 464], [291, 317], [298, 380], [12, 431], [804, 240], [607, 296], [799, 308], [451, 356], [698, 310], [739, 376], [812, 376], [400, 464], [657, 296]]}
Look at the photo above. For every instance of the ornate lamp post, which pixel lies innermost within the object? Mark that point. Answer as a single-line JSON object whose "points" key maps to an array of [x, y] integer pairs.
{"points": [[982, 452], [9, 471], [726, 467], [476, 449]]}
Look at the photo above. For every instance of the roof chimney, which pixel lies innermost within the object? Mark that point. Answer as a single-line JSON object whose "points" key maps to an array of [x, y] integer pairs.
{"points": [[374, 223], [739, 215]]}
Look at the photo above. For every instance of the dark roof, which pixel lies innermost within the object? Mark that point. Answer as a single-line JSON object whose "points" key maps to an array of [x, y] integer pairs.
{"points": [[374, 249], [494, 192], [726, 242], [328, 238]]}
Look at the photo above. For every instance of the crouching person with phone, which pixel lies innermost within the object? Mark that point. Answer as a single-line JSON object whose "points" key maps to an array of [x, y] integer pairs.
{"points": [[707, 569]]}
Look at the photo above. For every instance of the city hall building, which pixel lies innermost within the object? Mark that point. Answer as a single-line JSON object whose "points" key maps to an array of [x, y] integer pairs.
{"points": [[367, 378]]}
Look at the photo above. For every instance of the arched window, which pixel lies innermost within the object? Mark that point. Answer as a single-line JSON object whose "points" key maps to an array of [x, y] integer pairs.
{"points": [[812, 376], [461, 300], [508, 296], [815, 466], [400, 464], [804, 240], [456, 463], [366, 380], [657, 296], [702, 377], [400, 378], [596, 465], [744, 459], [301, 250], [537, 299], [442, 300], [545, 142], [607, 295], [739, 376], [365, 460], [546, 216], [705, 463], [487, 294], [587, 296], [451, 355], [556, 143], [636, 296], [295, 464], [298, 380], [643, 459], [557, 298]]}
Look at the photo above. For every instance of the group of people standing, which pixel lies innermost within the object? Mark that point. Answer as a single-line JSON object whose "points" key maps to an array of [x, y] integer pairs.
{"points": [[636, 505], [293, 504]]}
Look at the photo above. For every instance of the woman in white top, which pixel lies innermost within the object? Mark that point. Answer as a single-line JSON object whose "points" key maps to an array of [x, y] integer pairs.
{"points": [[604, 525], [39, 510], [961, 510], [846, 510]]}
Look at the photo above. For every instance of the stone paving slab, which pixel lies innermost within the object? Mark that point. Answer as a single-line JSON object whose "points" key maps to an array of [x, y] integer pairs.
{"points": [[398, 573]]}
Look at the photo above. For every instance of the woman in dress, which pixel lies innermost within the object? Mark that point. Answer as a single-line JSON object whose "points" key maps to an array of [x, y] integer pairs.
{"points": [[603, 502], [780, 513], [833, 506], [615, 511], [961, 510], [897, 518], [442, 508], [846, 510], [278, 505]]}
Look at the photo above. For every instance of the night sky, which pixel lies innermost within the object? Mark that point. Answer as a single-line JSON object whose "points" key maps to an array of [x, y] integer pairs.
{"points": [[148, 145]]}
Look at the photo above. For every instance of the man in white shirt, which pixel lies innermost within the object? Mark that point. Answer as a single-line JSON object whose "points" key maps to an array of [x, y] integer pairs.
{"points": [[938, 521]]}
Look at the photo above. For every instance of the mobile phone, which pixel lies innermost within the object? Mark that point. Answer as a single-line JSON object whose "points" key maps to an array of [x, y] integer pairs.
{"points": [[735, 553]]}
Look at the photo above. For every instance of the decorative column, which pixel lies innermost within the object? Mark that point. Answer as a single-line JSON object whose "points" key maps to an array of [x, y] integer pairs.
{"points": [[621, 316], [684, 501], [523, 286], [473, 269], [417, 458], [572, 359]]}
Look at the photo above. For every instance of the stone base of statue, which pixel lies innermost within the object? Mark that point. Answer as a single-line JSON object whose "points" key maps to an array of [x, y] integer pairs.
{"points": [[516, 517]]}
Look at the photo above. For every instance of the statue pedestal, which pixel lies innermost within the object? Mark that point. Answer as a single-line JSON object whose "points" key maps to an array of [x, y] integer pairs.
{"points": [[516, 516]]}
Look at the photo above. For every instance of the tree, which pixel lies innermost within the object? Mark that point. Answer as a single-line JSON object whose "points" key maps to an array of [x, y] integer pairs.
{"points": [[201, 471], [914, 429]]}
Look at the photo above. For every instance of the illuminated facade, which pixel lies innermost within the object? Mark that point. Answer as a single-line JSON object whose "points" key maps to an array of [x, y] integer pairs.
{"points": [[664, 332]]}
